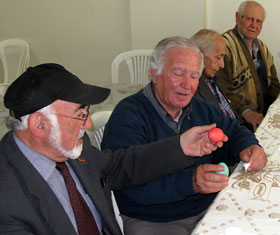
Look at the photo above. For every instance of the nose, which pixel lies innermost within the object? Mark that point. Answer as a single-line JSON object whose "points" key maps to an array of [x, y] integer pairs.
{"points": [[222, 64], [186, 83], [88, 123], [254, 23]]}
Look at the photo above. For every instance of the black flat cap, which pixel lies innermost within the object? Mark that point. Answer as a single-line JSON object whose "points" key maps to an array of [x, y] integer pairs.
{"points": [[41, 85]]}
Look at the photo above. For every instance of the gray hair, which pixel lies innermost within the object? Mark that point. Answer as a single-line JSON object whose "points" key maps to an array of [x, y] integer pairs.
{"points": [[204, 39], [20, 125], [158, 58], [243, 6]]}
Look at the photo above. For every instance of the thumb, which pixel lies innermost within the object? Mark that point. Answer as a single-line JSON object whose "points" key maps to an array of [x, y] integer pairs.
{"points": [[205, 128]]}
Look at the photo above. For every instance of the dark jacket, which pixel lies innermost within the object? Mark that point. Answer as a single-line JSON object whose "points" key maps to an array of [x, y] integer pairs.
{"points": [[204, 92], [135, 121], [29, 206]]}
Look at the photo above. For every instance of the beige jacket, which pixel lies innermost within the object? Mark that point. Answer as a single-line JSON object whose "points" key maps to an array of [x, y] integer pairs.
{"points": [[239, 79]]}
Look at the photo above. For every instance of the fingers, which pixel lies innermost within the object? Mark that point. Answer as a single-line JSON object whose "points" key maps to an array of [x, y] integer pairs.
{"points": [[253, 118], [195, 141], [206, 180], [206, 128], [256, 156], [254, 126]]}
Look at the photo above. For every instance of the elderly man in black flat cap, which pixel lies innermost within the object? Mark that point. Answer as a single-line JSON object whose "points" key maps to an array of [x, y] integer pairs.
{"points": [[52, 181]]}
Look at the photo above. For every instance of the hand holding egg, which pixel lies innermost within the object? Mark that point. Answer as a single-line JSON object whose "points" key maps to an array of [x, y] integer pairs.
{"points": [[216, 135]]}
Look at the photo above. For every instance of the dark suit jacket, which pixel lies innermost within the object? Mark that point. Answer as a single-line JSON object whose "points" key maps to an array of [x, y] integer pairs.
{"points": [[204, 92], [29, 206]]}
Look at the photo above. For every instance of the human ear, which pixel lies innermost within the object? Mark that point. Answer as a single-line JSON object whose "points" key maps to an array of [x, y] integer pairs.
{"points": [[236, 17], [153, 73], [38, 125]]}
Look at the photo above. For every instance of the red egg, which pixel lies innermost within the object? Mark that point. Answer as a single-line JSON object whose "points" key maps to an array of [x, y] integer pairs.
{"points": [[216, 135]]}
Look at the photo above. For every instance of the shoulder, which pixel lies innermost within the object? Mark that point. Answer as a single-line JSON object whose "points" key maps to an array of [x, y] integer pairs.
{"points": [[135, 99], [204, 110], [264, 48], [133, 105]]}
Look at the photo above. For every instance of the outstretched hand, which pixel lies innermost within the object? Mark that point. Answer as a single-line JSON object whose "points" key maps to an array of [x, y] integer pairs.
{"points": [[195, 141]]}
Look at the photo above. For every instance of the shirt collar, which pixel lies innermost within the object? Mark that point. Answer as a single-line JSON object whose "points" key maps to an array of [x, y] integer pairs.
{"points": [[255, 41], [212, 80], [44, 165]]}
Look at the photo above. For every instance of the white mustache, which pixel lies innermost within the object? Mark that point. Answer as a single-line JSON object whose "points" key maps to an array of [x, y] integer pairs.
{"points": [[81, 134]]}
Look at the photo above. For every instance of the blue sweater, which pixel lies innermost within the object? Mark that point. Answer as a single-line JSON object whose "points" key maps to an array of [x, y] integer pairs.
{"points": [[135, 121]]}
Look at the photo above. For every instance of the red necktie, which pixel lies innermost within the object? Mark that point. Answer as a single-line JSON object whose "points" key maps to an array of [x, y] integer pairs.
{"points": [[85, 221]]}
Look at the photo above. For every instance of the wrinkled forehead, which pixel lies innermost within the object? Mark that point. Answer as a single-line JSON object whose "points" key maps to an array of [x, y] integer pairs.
{"points": [[181, 54], [255, 11]]}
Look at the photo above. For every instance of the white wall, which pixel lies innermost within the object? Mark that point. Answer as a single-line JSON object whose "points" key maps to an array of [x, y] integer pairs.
{"points": [[153, 20], [85, 36], [221, 17]]}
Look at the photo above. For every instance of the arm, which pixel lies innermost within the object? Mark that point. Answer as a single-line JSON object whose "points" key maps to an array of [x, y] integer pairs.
{"points": [[239, 94], [13, 227], [237, 80], [254, 118], [129, 127], [274, 87], [194, 142]]}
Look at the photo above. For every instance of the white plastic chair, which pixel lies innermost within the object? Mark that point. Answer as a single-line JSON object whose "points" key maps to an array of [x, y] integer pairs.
{"points": [[138, 63], [14, 54], [99, 119]]}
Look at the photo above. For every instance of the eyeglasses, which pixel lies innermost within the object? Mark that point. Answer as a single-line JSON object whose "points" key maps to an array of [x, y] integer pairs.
{"points": [[81, 116]]}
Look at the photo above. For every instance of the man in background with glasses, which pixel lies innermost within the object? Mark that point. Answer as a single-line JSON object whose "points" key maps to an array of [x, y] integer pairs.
{"points": [[249, 77], [52, 181]]}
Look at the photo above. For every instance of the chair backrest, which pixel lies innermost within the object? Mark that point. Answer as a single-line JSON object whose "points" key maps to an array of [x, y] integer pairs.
{"points": [[14, 54], [99, 119], [138, 63]]}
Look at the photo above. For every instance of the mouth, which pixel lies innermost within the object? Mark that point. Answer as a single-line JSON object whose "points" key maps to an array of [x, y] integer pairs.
{"points": [[182, 94], [252, 31]]}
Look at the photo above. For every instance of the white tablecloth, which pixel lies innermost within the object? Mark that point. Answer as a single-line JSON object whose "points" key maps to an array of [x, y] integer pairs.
{"points": [[250, 204]]}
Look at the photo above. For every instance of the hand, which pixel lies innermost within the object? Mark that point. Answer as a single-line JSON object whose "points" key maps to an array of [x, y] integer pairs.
{"points": [[206, 180], [195, 141], [256, 156], [253, 118]]}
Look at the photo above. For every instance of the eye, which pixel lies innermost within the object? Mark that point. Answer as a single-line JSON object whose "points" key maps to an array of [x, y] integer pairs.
{"points": [[80, 114], [250, 19], [220, 57], [195, 75], [178, 72]]}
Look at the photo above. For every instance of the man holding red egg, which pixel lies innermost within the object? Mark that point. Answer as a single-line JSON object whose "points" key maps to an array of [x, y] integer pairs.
{"points": [[167, 107]]}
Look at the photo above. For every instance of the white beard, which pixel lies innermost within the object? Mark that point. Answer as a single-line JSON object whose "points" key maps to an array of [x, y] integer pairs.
{"points": [[55, 140]]}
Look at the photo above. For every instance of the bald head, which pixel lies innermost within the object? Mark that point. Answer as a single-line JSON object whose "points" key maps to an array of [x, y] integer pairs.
{"points": [[213, 47]]}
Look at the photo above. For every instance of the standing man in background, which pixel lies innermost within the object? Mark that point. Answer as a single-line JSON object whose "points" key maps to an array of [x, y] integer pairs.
{"points": [[249, 78]]}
